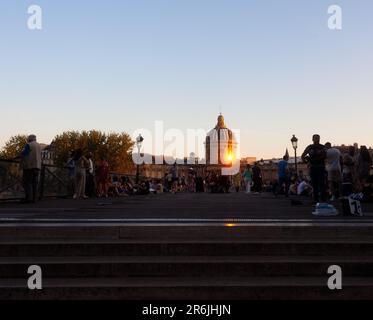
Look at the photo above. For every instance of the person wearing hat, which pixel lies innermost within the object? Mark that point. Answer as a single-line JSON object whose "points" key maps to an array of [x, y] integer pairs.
{"points": [[31, 165]]}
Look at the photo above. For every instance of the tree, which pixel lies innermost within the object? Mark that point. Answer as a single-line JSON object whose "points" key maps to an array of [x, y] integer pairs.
{"points": [[116, 148], [13, 147]]}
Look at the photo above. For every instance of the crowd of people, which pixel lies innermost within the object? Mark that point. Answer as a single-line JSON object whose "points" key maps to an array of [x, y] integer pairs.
{"points": [[90, 180], [332, 174], [211, 181]]}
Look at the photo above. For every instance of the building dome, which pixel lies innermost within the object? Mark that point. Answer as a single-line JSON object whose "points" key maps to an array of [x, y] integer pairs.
{"points": [[220, 144]]}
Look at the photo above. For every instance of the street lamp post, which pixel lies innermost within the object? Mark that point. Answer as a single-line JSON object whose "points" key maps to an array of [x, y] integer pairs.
{"points": [[294, 142], [139, 141]]}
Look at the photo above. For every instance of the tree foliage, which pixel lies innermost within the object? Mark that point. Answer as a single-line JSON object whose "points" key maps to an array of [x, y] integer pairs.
{"points": [[116, 148], [13, 147]]}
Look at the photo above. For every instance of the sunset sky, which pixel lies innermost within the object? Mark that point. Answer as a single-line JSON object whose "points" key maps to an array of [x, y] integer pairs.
{"points": [[272, 67]]}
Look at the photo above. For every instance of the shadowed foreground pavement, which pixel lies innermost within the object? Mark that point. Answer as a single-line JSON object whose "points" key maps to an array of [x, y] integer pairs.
{"points": [[160, 247], [169, 206]]}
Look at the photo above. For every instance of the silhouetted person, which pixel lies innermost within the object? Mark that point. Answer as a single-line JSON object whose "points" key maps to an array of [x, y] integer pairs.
{"points": [[283, 176], [364, 162], [31, 165], [315, 155], [257, 178]]}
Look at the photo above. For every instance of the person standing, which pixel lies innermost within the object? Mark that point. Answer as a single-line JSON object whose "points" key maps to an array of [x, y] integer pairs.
{"points": [[175, 178], [81, 164], [334, 170], [102, 176], [257, 178], [283, 175], [364, 163], [315, 155], [248, 178], [31, 165], [90, 184], [349, 180], [237, 178]]}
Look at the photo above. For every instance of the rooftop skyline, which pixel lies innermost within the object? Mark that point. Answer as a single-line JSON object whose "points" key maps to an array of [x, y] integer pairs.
{"points": [[273, 69]]}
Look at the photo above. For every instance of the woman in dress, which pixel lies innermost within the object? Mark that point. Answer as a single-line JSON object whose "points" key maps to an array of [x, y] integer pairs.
{"points": [[102, 174], [81, 164]]}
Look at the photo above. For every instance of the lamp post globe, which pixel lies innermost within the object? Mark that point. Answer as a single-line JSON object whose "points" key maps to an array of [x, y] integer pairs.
{"points": [[294, 142], [139, 141]]}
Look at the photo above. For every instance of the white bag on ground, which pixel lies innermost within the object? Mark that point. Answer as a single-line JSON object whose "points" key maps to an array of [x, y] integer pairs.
{"points": [[325, 209]]}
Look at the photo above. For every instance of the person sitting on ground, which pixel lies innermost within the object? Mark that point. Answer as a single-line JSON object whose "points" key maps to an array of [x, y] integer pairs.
{"points": [[158, 186], [304, 188], [114, 187], [223, 184], [153, 186], [127, 186], [293, 188], [143, 188]]}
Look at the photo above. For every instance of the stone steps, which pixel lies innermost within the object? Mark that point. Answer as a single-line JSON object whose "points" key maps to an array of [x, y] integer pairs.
{"points": [[187, 232], [185, 282], [238, 249], [182, 259], [186, 261], [188, 289], [177, 267]]}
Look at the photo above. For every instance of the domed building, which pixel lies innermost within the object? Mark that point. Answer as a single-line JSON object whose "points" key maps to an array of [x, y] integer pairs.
{"points": [[220, 144]]}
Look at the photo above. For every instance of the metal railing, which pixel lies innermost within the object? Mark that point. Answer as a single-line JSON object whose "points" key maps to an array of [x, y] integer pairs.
{"points": [[54, 181]]}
